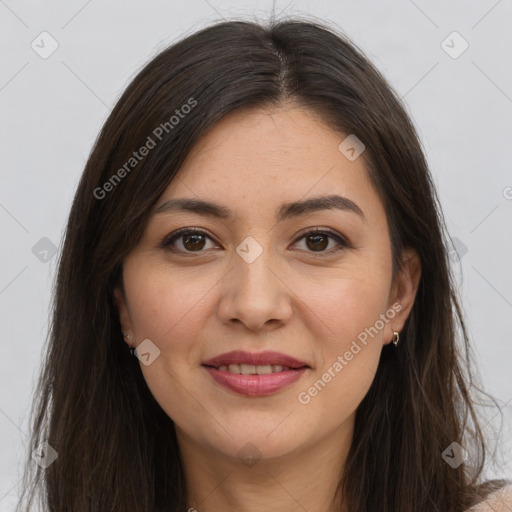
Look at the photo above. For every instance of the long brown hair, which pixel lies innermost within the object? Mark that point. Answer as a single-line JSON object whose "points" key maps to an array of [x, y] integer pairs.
{"points": [[117, 449]]}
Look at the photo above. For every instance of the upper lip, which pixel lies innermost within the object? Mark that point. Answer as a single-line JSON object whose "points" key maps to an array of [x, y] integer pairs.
{"points": [[261, 358]]}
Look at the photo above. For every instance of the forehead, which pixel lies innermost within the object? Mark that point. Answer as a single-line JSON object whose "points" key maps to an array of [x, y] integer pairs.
{"points": [[267, 156]]}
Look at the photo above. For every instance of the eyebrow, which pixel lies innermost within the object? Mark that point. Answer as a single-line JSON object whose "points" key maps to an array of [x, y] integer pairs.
{"points": [[286, 211]]}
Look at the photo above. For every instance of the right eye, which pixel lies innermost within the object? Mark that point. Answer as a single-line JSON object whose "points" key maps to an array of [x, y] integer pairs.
{"points": [[190, 239]]}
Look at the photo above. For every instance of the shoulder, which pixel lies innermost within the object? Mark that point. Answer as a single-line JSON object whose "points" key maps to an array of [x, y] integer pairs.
{"points": [[499, 500]]}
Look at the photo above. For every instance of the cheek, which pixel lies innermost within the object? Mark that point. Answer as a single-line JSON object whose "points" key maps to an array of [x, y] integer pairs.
{"points": [[166, 306], [349, 342], [348, 307]]}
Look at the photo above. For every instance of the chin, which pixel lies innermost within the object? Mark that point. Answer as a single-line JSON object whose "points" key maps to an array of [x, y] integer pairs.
{"points": [[253, 442]]}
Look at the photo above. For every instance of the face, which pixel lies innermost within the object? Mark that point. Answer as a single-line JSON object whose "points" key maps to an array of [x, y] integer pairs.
{"points": [[259, 279]]}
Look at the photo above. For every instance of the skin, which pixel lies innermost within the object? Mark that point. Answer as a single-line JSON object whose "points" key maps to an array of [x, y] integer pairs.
{"points": [[196, 305]]}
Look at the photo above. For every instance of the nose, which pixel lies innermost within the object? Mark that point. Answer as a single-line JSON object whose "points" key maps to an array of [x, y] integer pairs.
{"points": [[255, 295]]}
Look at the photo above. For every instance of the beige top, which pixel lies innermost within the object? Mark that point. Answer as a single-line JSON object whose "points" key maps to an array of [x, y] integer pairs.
{"points": [[498, 501]]}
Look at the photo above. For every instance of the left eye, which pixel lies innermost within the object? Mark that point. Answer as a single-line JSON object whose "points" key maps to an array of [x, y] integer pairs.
{"points": [[194, 240], [319, 239]]}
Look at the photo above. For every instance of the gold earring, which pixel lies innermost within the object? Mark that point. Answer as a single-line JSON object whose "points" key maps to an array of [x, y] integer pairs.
{"points": [[396, 338]]}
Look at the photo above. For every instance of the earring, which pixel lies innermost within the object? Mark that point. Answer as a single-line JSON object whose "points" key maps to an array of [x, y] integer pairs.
{"points": [[396, 338], [132, 349]]}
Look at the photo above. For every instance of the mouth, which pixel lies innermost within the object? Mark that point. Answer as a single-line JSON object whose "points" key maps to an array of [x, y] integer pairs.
{"points": [[251, 369], [254, 374], [250, 363]]}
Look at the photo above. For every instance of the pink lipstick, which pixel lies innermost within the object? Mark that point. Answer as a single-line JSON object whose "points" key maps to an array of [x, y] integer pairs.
{"points": [[255, 374]]}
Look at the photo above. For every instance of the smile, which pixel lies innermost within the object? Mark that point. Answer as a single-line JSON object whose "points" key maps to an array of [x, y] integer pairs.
{"points": [[273, 378], [251, 369], [255, 373]]}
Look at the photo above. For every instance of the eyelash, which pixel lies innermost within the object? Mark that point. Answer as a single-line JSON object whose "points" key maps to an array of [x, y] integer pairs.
{"points": [[169, 240]]}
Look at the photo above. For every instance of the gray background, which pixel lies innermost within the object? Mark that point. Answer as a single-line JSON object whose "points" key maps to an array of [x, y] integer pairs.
{"points": [[52, 109]]}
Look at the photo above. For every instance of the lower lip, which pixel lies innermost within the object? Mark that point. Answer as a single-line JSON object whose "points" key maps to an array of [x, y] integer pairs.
{"points": [[255, 385]]}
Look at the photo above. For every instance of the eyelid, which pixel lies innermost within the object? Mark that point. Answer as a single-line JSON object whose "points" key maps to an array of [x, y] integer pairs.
{"points": [[175, 235], [341, 239], [327, 231], [343, 242]]}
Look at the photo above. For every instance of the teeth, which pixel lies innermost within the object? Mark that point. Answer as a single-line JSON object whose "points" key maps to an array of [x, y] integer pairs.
{"points": [[251, 369], [263, 369], [247, 369]]}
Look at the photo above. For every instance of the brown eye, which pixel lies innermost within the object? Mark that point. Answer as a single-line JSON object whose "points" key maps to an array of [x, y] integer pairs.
{"points": [[318, 241], [186, 240], [193, 242]]}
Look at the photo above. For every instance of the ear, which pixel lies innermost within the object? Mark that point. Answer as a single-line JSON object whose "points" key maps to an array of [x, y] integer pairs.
{"points": [[403, 291], [124, 317]]}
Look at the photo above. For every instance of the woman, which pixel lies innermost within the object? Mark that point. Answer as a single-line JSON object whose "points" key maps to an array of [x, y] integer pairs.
{"points": [[258, 224]]}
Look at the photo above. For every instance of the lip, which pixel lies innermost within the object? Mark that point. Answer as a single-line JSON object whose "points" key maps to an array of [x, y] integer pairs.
{"points": [[261, 358], [255, 385]]}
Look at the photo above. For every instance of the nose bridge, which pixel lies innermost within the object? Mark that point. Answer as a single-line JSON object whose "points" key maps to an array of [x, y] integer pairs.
{"points": [[253, 274], [255, 294]]}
